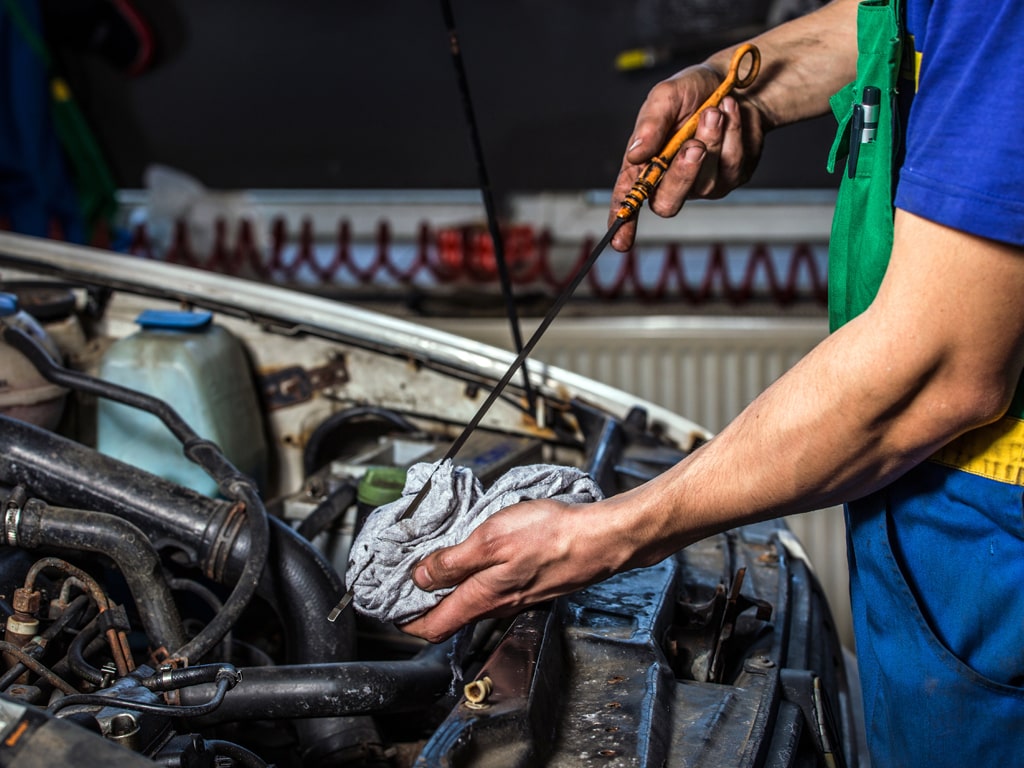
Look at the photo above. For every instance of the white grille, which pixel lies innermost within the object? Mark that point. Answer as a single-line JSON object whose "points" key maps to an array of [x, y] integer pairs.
{"points": [[704, 368]]}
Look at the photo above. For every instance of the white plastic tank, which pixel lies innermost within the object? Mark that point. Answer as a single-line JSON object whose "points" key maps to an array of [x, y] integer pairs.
{"points": [[24, 394], [201, 370]]}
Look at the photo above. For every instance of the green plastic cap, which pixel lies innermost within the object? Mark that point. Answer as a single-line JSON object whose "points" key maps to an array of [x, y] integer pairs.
{"points": [[380, 486]]}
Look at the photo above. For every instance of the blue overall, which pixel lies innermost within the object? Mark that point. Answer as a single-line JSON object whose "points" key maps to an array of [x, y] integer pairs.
{"points": [[937, 557]]}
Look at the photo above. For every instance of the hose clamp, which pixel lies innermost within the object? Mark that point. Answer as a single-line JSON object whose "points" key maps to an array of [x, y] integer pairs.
{"points": [[12, 514]]}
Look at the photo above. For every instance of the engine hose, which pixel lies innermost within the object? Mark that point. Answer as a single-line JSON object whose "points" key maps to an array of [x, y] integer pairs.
{"points": [[327, 511], [317, 690], [173, 679], [232, 483], [206, 595], [41, 525], [79, 650], [298, 581]]}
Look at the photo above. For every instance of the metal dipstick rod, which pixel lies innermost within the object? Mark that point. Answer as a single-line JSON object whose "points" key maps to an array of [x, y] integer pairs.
{"points": [[493, 226], [630, 207]]}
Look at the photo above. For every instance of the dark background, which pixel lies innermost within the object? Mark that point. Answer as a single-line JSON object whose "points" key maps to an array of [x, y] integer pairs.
{"points": [[265, 94]]}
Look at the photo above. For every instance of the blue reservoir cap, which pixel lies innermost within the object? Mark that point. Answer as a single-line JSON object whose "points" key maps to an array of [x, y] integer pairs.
{"points": [[8, 304], [161, 319]]}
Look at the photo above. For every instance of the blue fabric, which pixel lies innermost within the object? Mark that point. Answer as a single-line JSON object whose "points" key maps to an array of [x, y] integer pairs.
{"points": [[937, 588], [35, 187], [965, 156]]}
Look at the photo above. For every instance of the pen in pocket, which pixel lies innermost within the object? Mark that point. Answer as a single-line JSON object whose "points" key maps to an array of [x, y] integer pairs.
{"points": [[863, 126]]}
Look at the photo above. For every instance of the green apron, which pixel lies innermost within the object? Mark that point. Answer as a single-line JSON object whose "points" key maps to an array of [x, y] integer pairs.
{"points": [[937, 557], [862, 226]]}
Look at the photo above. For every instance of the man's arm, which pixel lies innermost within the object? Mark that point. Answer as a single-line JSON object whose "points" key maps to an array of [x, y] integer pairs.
{"points": [[939, 352]]}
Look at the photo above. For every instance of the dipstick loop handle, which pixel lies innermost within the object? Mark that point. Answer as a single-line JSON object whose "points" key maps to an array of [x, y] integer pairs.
{"points": [[655, 169]]}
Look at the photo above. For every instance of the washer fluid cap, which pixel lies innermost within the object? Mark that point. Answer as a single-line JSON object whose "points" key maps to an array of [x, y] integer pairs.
{"points": [[162, 319], [8, 304], [381, 485]]}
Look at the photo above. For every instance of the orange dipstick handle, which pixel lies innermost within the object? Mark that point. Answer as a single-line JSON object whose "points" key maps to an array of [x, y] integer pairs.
{"points": [[656, 168]]}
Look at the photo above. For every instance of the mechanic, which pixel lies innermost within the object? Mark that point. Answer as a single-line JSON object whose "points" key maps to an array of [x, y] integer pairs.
{"points": [[909, 412]]}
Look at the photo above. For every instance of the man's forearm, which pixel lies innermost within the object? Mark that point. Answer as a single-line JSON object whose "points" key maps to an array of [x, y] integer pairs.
{"points": [[803, 62], [873, 400]]}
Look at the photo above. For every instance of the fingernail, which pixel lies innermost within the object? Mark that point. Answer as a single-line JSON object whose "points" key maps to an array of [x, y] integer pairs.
{"points": [[712, 118], [422, 577], [636, 143], [695, 154]]}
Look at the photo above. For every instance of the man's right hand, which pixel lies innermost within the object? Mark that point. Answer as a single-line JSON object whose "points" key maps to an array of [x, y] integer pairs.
{"points": [[721, 156]]}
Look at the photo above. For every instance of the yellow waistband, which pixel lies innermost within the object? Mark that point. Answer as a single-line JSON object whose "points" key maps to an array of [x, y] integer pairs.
{"points": [[995, 451]]}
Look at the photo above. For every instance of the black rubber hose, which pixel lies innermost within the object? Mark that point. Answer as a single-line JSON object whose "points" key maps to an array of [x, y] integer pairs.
{"points": [[207, 596], [96, 644], [173, 679], [318, 690], [41, 525], [245, 586], [78, 652], [328, 511]]}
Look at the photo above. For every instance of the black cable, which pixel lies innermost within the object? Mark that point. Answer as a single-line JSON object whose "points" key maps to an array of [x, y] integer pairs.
{"points": [[488, 197]]}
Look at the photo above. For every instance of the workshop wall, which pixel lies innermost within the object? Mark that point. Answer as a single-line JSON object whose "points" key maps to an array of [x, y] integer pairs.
{"points": [[321, 94]]}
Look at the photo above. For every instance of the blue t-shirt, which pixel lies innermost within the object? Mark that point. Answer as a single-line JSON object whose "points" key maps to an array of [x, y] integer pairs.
{"points": [[964, 164]]}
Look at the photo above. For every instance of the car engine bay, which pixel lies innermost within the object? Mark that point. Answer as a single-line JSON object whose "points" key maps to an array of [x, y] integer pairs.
{"points": [[167, 570]]}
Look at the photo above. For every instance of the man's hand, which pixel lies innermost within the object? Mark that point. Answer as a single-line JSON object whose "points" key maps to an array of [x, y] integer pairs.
{"points": [[721, 156], [525, 554]]}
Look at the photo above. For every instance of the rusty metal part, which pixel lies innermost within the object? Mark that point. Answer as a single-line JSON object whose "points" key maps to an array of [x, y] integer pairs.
{"points": [[294, 385], [117, 639]]}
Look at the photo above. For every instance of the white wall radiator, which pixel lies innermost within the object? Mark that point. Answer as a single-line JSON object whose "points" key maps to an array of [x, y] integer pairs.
{"points": [[705, 368]]}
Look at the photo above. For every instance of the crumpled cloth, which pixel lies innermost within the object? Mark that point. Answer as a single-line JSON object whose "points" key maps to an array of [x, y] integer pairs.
{"points": [[384, 553]]}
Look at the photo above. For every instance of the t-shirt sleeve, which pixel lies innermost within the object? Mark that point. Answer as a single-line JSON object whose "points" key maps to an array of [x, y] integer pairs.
{"points": [[964, 163]]}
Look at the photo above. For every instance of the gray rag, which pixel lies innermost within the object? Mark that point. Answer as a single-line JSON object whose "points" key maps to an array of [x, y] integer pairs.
{"points": [[386, 550]]}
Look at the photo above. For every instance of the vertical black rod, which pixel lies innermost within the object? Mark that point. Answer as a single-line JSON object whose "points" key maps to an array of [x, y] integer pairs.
{"points": [[488, 196]]}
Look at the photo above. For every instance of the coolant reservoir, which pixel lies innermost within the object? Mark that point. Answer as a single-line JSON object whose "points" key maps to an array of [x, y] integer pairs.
{"points": [[201, 371], [24, 393]]}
